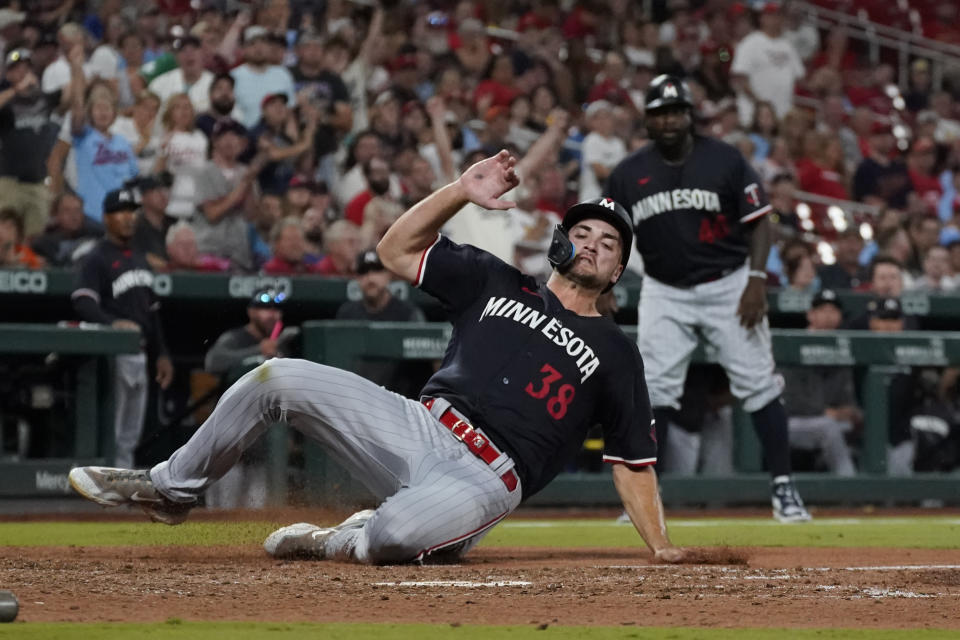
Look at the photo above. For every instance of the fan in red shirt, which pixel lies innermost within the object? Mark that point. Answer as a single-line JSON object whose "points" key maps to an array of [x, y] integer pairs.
{"points": [[921, 162], [822, 171], [342, 243], [836, 53], [289, 249], [377, 172], [610, 87], [497, 88]]}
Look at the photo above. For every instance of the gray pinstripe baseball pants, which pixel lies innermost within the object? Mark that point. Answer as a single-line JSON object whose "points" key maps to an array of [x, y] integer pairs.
{"points": [[437, 497]]}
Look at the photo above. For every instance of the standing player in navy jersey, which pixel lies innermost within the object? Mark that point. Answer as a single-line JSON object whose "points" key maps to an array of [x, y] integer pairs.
{"points": [[529, 369], [699, 215]]}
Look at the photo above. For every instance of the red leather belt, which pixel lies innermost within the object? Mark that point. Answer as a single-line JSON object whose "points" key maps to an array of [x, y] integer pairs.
{"points": [[478, 444]]}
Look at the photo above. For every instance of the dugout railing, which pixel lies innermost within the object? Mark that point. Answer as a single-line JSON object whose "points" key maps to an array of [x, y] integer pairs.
{"points": [[343, 344]]}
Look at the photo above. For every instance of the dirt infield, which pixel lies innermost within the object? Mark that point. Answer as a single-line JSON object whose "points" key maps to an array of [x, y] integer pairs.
{"points": [[780, 587]]}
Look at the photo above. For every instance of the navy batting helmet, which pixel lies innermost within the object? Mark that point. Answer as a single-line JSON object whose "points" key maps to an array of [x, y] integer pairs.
{"points": [[666, 90], [562, 251]]}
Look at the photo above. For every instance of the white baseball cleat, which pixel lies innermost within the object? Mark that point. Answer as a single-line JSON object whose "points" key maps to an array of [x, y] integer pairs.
{"points": [[300, 540], [112, 487]]}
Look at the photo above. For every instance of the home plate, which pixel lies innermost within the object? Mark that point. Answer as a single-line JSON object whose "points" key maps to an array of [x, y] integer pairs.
{"points": [[454, 583]]}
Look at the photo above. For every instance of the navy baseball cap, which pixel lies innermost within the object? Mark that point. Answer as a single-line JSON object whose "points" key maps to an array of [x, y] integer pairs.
{"points": [[120, 200], [885, 308], [826, 296], [368, 261], [267, 298]]}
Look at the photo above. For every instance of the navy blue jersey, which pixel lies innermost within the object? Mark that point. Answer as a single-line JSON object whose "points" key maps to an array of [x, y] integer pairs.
{"points": [[530, 373], [692, 220], [120, 283]]}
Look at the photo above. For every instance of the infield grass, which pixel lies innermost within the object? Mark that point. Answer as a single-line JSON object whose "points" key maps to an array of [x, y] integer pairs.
{"points": [[929, 532], [179, 630]]}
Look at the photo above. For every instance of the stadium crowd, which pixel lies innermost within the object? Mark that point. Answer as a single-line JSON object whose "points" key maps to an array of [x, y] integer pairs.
{"points": [[285, 136]]}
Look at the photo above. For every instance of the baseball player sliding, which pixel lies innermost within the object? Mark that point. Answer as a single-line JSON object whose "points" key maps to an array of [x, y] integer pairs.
{"points": [[529, 368], [699, 214]]}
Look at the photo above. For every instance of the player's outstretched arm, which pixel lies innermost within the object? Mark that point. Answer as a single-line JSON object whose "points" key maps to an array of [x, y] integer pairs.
{"points": [[403, 245], [641, 498]]}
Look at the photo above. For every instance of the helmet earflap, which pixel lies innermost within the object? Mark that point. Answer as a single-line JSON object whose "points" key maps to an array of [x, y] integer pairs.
{"points": [[562, 251]]}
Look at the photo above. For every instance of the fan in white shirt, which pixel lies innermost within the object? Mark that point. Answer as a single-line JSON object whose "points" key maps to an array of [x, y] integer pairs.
{"points": [[183, 153], [600, 152], [766, 66]]}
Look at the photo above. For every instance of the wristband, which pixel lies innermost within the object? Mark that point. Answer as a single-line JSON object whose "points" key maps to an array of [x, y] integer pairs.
{"points": [[756, 273]]}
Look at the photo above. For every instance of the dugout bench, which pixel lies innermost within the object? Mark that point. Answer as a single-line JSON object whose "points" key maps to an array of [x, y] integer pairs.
{"points": [[89, 352]]}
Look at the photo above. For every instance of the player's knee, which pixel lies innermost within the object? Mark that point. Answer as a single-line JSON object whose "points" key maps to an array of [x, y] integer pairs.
{"points": [[390, 547]]}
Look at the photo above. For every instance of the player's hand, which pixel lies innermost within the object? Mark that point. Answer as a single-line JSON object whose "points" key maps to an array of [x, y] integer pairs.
{"points": [[487, 180], [125, 324], [164, 371], [753, 303], [670, 555], [268, 348]]}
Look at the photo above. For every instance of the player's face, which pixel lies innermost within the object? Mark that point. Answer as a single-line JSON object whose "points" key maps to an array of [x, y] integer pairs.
{"points": [[264, 319], [597, 260], [669, 126], [120, 224]]}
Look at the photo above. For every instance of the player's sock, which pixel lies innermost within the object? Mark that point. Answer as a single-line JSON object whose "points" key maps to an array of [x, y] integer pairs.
{"points": [[770, 423], [663, 417]]}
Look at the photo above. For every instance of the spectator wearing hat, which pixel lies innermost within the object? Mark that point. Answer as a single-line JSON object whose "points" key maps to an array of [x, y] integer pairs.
{"points": [[27, 135], [820, 401], [11, 27], [14, 254], [223, 105], [189, 77], [880, 179], [341, 245], [610, 85], [238, 350], [281, 140], [846, 271], [497, 88], [257, 79], [115, 287], [104, 161], [765, 65], [317, 79], [289, 249], [69, 235], [601, 150], [225, 193], [471, 47], [378, 304], [299, 194], [150, 230]]}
